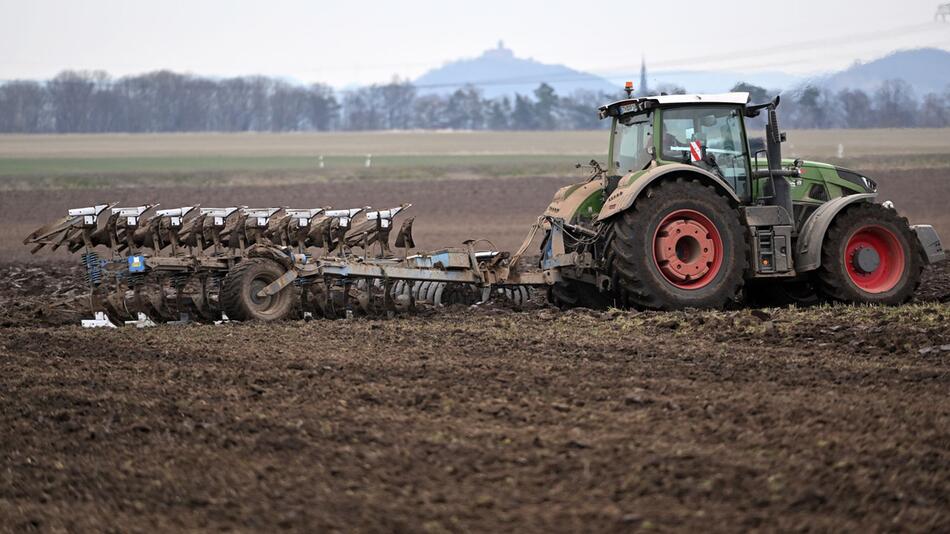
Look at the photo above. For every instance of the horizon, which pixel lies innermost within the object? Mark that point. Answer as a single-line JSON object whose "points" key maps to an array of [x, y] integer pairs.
{"points": [[123, 38], [801, 79]]}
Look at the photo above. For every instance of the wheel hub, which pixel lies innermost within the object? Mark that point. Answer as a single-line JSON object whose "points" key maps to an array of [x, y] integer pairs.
{"points": [[874, 259], [684, 250], [256, 286], [866, 260]]}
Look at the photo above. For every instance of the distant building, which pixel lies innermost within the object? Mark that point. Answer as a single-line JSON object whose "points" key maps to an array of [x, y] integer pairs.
{"points": [[643, 90]]}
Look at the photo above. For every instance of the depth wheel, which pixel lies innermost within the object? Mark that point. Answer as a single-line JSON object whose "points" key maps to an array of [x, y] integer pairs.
{"points": [[681, 245], [239, 298], [870, 255]]}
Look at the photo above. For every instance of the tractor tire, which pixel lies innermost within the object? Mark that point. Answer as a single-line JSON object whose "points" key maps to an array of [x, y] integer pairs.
{"points": [[239, 298], [681, 245], [869, 256]]}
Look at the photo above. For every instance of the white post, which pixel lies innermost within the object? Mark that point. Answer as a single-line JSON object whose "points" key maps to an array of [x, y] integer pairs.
{"points": [[320, 160], [369, 160], [840, 150]]}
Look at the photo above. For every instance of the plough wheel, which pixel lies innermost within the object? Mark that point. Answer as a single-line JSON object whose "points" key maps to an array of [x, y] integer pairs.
{"points": [[239, 298]]}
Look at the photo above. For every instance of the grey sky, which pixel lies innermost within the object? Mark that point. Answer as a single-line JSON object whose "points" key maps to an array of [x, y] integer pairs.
{"points": [[367, 41]]}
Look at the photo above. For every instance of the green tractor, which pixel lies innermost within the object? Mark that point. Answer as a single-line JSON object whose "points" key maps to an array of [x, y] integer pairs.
{"points": [[686, 215]]}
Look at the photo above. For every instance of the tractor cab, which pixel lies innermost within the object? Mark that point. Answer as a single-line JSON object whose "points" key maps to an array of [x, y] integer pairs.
{"points": [[704, 131]]}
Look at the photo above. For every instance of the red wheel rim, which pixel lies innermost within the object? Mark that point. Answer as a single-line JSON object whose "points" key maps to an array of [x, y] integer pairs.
{"points": [[875, 259], [687, 249]]}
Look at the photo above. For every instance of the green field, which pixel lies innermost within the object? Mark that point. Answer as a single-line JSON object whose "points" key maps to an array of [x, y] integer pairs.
{"points": [[44, 161]]}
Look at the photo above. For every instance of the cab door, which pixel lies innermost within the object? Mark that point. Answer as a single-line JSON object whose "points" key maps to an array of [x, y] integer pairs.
{"points": [[719, 132]]}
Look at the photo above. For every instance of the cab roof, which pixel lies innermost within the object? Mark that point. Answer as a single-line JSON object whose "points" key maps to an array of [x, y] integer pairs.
{"points": [[631, 105]]}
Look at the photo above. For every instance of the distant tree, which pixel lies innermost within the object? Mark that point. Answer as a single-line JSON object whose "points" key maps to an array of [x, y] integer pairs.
{"points": [[395, 103], [23, 108], [757, 94], [499, 114], [856, 109], [288, 107], [322, 108], [430, 112], [362, 110], [812, 108], [579, 110], [524, 117], [466, 109], [71, 95], [164, 101], [895, 104], [243, 104], [544, 108], [934, 112]]}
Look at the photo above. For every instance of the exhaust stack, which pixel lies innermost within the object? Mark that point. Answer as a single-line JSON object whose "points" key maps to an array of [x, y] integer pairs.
{"points": [[781, 190]]}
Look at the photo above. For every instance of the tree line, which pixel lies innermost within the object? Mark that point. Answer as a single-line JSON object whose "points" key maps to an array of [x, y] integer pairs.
{"points": [[93, 102]]}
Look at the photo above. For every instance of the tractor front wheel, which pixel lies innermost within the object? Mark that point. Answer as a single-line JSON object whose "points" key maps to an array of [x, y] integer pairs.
{"points": [[239, 295], [870, 255], [681, 245]]}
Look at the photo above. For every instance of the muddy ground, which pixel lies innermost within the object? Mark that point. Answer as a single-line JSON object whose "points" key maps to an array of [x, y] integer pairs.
{"points": [[478, 419], [486, 418]]}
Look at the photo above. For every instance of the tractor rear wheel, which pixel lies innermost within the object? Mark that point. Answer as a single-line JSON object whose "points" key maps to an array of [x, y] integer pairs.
{"points": [[681, 245], [239, 298], [870, 255]]}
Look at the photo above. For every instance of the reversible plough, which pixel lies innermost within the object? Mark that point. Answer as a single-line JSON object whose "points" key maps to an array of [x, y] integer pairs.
{"points": [[237, 263]]}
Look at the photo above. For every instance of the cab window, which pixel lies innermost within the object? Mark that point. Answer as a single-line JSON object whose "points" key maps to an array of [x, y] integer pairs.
{"points": [[632, 137], [718, 129]]}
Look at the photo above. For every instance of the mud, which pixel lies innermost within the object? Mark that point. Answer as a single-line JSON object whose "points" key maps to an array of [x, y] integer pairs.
{"points": [[478, 419], [484, 418]]}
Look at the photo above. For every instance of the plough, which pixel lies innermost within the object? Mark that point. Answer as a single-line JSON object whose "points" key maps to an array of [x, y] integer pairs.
{"points": [[201, 264]]}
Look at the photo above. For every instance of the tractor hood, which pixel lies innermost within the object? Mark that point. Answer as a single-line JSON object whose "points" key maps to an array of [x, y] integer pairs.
{"points": [[851, 179]]}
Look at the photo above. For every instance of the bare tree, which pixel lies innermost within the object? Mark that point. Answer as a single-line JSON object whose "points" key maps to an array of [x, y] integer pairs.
{"points": [[23, 108], [934, 112], [856, 109], [895, 104]]}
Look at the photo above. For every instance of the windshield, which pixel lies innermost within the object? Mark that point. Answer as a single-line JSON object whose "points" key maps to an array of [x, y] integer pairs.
{"points": [[632, 137]]}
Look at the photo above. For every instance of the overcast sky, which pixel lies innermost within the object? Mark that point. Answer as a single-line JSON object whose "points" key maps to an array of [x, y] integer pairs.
{"points": [[363, 41]]}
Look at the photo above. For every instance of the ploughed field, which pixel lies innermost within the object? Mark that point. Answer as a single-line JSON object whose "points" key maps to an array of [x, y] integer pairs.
{"points": [[484, 418], [478, 419]]}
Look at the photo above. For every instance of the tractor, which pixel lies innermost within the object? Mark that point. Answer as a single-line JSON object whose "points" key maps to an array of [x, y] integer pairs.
{"points": [[685, 215]]}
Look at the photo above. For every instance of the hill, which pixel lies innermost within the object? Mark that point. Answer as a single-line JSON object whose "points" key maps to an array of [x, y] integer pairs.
{"points": [[926, 69], [498, 72]]}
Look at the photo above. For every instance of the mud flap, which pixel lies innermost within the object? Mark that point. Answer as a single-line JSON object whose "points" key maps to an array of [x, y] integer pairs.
{"points": [[930, 242]]}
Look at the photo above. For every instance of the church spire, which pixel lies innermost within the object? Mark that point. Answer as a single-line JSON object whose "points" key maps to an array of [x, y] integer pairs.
{"points": [[643, 90]]}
